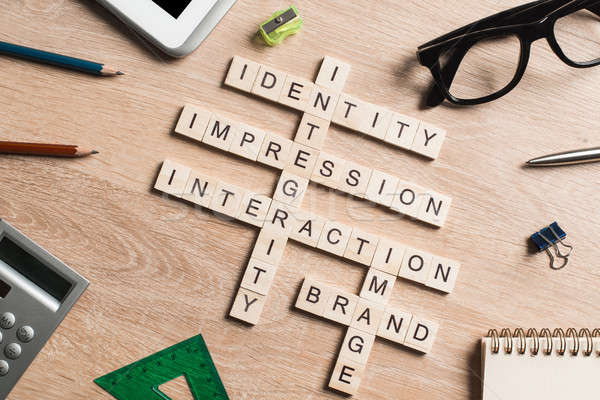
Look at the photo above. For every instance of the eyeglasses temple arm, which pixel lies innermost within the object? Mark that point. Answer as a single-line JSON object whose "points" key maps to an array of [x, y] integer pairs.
{"points": [[512, 16], [447, 74]]}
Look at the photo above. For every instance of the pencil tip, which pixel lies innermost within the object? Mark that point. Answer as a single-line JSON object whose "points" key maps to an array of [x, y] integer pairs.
{"points": [[94, 152], [120, 73]]}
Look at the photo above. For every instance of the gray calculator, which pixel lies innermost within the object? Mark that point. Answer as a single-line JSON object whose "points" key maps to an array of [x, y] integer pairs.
{"points": [[36, 292]]}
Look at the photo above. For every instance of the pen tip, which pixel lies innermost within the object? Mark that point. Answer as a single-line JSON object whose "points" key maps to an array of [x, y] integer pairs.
{"points": [[94, 152], [120, 73]]}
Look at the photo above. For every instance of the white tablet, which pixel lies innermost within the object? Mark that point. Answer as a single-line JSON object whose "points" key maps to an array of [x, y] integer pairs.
{"points": [[176, 26]]}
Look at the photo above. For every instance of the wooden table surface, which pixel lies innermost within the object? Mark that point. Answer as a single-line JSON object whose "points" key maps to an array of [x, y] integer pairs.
{"points": [[162, 271]]}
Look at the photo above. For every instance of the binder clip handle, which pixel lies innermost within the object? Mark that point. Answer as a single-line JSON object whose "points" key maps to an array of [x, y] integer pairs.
{"points": [[558, 255]]}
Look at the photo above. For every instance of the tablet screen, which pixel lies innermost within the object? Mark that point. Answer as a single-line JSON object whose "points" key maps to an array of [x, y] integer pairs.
{"points": [[173, 7]]}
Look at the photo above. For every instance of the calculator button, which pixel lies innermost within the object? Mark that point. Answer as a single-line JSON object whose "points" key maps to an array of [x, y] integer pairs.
{"points": [[25, 334], [3, 367], [7, 320], [12, 351]]}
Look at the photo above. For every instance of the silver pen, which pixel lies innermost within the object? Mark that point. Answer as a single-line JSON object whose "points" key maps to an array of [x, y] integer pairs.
{"points": [[566, 158]]}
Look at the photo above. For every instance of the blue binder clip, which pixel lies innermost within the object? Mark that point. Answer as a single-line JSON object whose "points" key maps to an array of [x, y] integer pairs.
{"points": [[552, 236]]}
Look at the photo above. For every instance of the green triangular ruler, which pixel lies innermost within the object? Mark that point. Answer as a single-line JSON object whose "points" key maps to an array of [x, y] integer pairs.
{"points": [[190, 358]]}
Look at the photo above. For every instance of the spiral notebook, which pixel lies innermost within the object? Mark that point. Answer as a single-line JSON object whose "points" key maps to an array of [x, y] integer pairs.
{"points": [[557, 365]]}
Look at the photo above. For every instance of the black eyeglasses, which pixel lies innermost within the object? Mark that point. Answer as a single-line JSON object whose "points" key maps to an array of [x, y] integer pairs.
{"points": [[486, 59]]}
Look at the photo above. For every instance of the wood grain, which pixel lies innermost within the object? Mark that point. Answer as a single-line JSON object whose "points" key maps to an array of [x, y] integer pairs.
{"points": [[162, 271]]}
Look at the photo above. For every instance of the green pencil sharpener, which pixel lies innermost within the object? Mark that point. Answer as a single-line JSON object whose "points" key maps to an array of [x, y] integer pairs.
{"points": [[282, 24]]}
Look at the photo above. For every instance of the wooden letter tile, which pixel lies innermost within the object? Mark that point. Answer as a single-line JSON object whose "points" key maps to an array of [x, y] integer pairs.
{"points": [[355, 179], [302, 160], [394, 325], [269, 83], [227, 199], [357, 346], [351, 113], [382, 188], [408, 199], [421, 334], [361, 247], [334, 238], [242, 74], [346, 376], [367, 316], [402, 131], [269, 247], [296, 92], [313, 297], [193, 122], [388, 256], [328, 170], [258, 276], [443, 274], [312, 131], [378, 286], [200, 189], [172, 178], [247, 141], [220, 132], [434, 209], [247, 306], [322, 102], [333, 74], [379, 119], [290, 189], [280, 218], [254, 209], [307, 228], [275, 151], [428, 141], [340, 306], [415, 265]]}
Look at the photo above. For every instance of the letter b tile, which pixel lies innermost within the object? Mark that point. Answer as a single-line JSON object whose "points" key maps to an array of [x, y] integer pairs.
{"points": [[313, 297]]}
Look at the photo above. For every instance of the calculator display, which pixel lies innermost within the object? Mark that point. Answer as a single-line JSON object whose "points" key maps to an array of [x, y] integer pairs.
{"points": [[173, 7], [32, 269]]}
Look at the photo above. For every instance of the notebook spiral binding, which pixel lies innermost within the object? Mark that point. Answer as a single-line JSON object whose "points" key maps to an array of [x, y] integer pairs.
{"points": [[508, 339]]}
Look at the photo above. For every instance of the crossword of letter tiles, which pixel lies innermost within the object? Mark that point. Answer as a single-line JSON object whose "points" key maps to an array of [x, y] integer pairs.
{"points": [[280, 217]]}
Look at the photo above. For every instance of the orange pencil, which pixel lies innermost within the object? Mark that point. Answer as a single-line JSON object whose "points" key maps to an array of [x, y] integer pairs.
{"points": [[41, 149]]}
